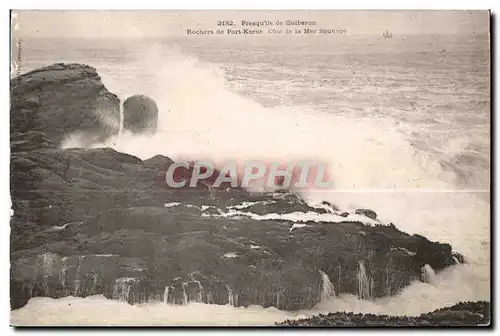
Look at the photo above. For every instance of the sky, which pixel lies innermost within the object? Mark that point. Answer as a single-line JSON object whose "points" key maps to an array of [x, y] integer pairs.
{"points": [[135, 23]]}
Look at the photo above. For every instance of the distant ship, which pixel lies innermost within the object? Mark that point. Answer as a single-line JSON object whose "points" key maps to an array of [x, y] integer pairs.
{"points": [[387, 34]]}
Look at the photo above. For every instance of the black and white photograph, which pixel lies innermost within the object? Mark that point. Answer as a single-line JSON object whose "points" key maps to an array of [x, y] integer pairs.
{"points": [[250, 168]]}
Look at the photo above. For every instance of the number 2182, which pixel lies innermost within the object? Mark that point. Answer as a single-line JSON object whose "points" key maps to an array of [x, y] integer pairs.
{"points": [[225, 23]]}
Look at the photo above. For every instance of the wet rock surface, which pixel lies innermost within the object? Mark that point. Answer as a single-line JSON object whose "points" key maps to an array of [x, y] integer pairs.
{"points": [[96, 221], [140, 115], [61, 99]]}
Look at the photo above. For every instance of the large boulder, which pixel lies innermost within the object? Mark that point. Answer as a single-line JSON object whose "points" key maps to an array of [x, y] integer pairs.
{"points": [[140, 115], [61, 99]]}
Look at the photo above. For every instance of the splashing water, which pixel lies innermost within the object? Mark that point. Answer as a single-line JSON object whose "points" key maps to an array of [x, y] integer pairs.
{"points": [[428, 274], [121, 288]]}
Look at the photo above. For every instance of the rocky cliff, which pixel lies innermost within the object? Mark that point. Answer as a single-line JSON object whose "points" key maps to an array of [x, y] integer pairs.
{"points": [[59, 100]]}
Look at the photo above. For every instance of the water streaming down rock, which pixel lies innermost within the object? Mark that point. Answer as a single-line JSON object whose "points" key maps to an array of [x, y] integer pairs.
{"points": [[209, 299], [120, 127], [199, 296], [121, 288], [364, 283], [232, 298], [62, 274], [192, 295], [328, 289], [279, 297], [387, 284], [48, 260], [95, 278], [185, 298], [165, 294], [428, 274]]}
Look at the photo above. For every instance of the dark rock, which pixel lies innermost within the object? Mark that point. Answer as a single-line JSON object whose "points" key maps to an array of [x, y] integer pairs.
{"points": [[329, 204], [59, 100], [458, 257], [159, 160], [140, 114], [462, 314], [31, 140], [437, 255], [366, 212], [279, 204]]}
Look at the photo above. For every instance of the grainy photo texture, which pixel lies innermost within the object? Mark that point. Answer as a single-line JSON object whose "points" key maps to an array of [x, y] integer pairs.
{"points": [[250, 168]]}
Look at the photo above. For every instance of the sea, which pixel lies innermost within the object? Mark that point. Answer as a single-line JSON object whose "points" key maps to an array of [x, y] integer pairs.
{"points": [[403, 125]]}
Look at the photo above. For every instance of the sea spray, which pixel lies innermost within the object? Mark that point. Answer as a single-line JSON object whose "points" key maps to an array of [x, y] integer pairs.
{"points": [[328, 289], [428, 275]]}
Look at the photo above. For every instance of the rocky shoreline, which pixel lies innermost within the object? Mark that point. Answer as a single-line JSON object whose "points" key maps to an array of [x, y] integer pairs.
{"points": [[463, 314], [96, 221]]}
